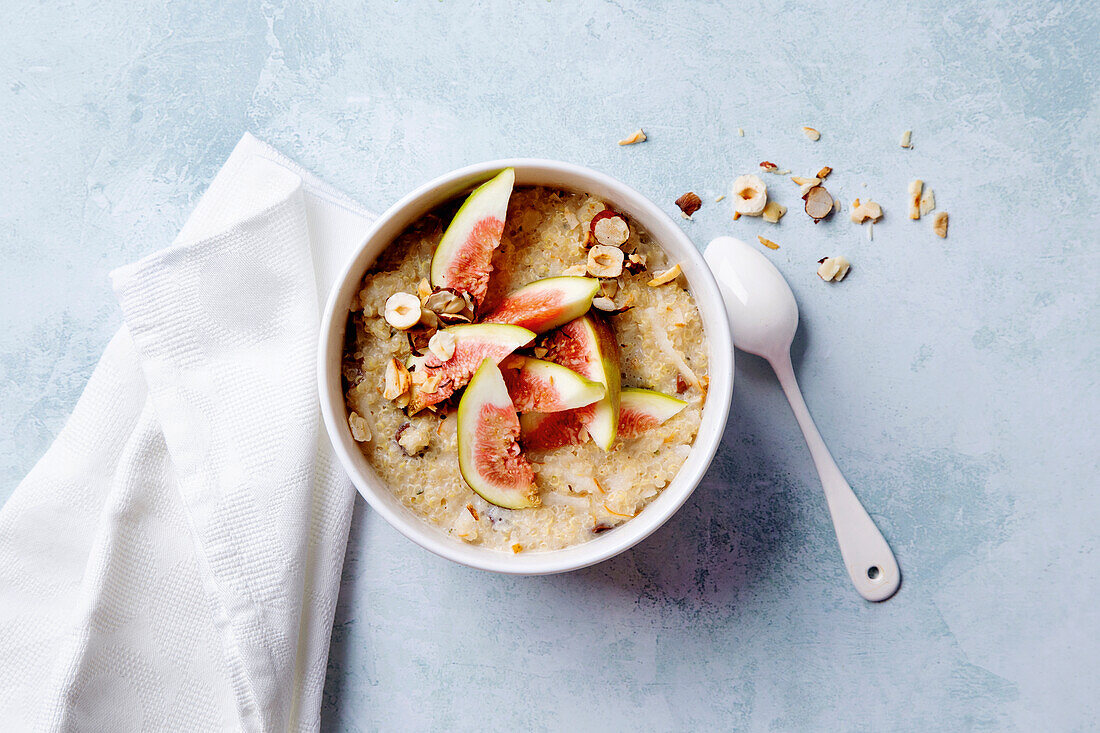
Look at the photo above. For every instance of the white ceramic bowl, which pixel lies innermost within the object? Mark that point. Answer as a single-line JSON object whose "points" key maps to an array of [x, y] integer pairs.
{"points": [[663, 230]]}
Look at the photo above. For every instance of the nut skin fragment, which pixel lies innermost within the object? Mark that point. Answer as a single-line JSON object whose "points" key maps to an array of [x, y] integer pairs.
{"points": [[773, 212], [811, 133], [665, 277], [767, 242], [398, 380], [402, 310], [939, 224], [833, 268], [442, 345], [750, 195], [862, 211], [907, 139], [824, 172], [638, 136], [914, 198], [689, 203], [605, 261], [927, 202], [819, 203]]}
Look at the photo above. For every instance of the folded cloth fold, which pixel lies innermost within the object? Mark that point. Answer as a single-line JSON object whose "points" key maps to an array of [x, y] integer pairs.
{"points": [[173, 560]]}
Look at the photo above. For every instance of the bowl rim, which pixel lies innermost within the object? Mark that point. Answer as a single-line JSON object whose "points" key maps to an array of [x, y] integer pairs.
{"points": [[701, 284]]}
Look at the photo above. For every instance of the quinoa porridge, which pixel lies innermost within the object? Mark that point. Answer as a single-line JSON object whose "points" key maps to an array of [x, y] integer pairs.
{"points": [[578, 489]]}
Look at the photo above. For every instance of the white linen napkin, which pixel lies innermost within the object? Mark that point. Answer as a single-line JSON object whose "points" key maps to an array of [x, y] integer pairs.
{"points": [[173, 561]]}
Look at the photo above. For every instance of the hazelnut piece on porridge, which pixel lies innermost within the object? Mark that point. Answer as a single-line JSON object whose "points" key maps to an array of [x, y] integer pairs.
{"points": [[609, 228], [665, 277], [360, 429], [445, 302], [750, 195], [398, 380], [635, 263], [402, 311], [604, 261], [689, 203], [442, 345], [413, 438], [423, 289]]}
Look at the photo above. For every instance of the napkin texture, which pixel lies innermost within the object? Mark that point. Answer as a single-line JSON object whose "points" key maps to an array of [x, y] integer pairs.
{"points": [[173, 561]]}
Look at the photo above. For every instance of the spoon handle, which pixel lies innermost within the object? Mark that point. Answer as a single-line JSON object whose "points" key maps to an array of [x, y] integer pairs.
{"points": [[871, 565]]}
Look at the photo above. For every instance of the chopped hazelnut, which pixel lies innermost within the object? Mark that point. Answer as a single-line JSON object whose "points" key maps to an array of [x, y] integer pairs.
{"points": [[773, 212], [575, 270], [811, 133], [740, 132], [402, 310], [767, 242], [750, 195], [413, 439], [360, 430], [609, 228], [638, 136], [398, 380], [803, 181], [914, 198], [862, 211], [423, 289], [635, 263], [605, 261], [927, 202], [445, 302], [824, 172], [907, 139], [442, 345], [604, 304], [818, 203], [689, 203], [833, 268], [939, 224], [665, 277], [769, 166]]}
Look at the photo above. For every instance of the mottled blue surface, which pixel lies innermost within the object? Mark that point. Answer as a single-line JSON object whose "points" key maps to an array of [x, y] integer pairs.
{"points": [[955, 380]]}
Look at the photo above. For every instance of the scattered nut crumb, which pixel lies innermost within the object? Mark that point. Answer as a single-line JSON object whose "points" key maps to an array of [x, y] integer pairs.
{"points": [[767, 242], [360, 429], [442, 345], [927, 202], [824, 172], [914, 198], [811, 133], [736, 215], [864, 210], [907, 139], [750, 195], [637, 137], [605, 261], [689, 203], [870, 231], [833, 268], [939, 224], [819, 203], [719, 198], [402, 310], [740, 132], [397, 379], [665, 277], [773, 212]]}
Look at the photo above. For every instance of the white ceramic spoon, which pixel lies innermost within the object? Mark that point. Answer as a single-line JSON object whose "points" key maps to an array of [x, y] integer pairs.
{"points": [[763, 318]]}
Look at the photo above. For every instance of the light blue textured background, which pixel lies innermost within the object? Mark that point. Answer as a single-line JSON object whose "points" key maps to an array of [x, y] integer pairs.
{"points": [[954, 379]]}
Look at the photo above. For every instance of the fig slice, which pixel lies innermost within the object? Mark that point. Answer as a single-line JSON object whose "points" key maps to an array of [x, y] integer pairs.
{"points": [[639, 410], [643, 409], [587, 346], [543, 386], [463, 260], [547, 303], [488, 455], [473, 344]]}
